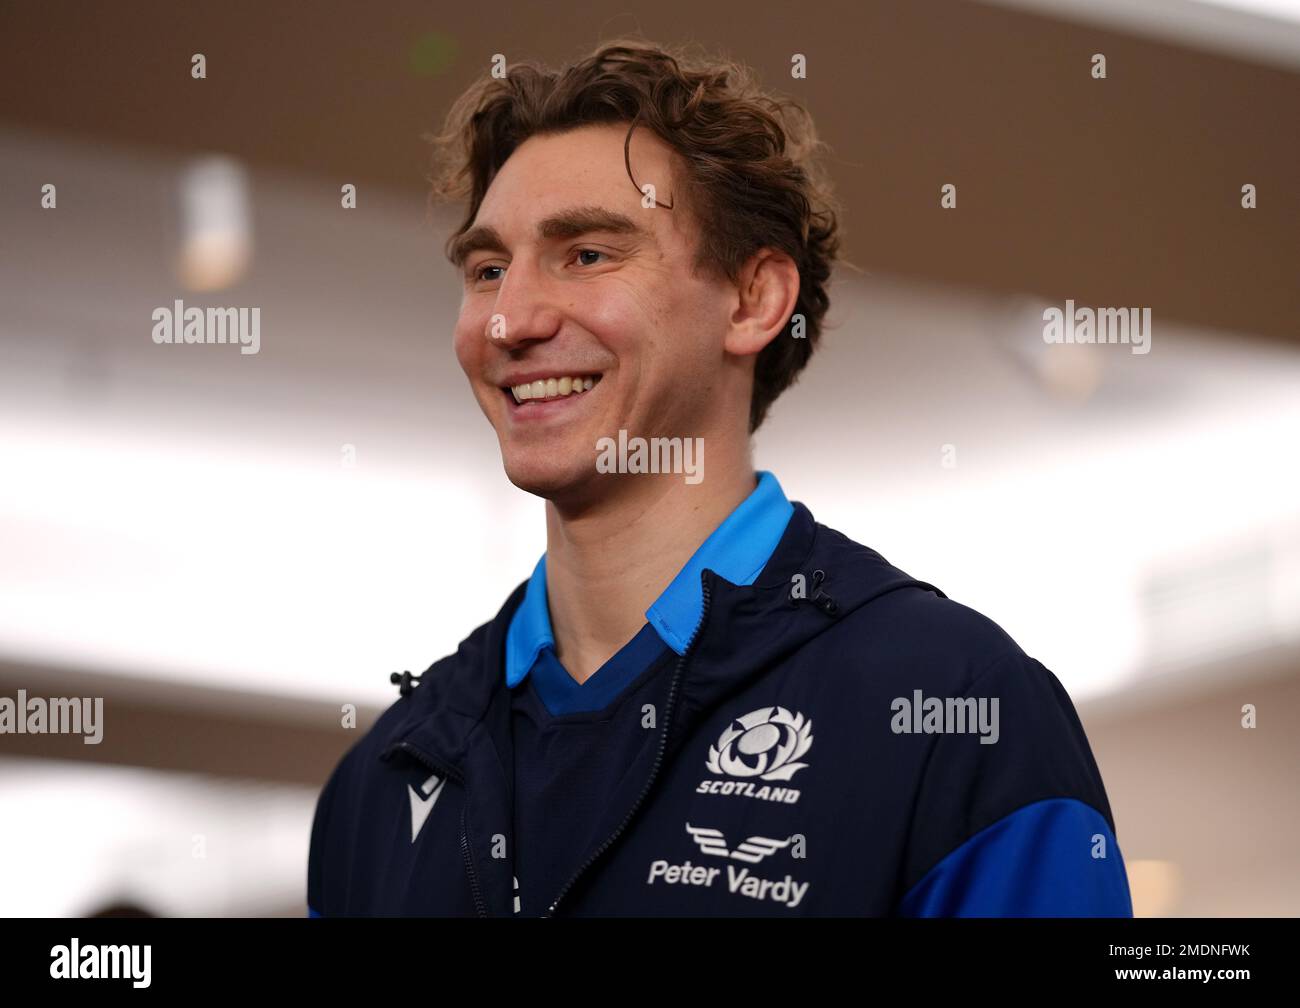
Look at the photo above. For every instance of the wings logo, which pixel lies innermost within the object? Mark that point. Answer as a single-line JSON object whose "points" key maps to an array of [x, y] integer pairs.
{"points": [[753, 850], [765, 743]]}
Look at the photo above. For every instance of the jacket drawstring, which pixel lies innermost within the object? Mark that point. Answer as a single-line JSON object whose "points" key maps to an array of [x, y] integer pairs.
{"points": [[819, 598]]}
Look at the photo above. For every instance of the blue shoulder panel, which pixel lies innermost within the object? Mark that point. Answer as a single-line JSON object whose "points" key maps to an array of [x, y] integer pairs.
{"points": [[1036, 862]]}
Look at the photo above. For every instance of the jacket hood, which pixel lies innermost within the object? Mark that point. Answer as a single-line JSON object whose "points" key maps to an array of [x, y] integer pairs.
{"points": [[815, 577]]}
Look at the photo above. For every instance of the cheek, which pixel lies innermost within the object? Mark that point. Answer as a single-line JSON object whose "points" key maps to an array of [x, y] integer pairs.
{"points": [[692, 327], [466, 343], [665, 330]]}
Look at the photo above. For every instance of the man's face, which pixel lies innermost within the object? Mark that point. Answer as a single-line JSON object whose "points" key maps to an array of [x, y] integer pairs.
{"points": [[576, 279]]}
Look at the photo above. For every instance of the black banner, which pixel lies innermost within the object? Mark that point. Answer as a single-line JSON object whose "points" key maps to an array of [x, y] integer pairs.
{"points": [[153, 957]]}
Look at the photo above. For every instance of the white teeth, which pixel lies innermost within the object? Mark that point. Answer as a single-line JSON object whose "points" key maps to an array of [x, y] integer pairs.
{"points": [[552, 388]]}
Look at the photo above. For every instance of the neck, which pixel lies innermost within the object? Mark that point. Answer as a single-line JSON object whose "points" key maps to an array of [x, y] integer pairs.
{"points": [[606, 565]]}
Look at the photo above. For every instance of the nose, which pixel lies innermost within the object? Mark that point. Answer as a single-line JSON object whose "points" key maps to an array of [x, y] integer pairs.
{"points": [[525, 310]]}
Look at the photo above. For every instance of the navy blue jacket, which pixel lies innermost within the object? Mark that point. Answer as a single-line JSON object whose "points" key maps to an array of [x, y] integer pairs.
{"points": [[813, 757]]}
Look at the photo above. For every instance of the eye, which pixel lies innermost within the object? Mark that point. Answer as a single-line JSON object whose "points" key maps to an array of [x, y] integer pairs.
{"points": [[478, 273], [588, 251]]}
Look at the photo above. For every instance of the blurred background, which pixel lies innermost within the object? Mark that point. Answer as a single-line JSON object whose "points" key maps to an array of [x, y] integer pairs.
{"points": [[228, 548]]}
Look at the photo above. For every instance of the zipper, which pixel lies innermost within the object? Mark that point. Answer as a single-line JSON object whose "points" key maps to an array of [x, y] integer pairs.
{"points": [[659, 755], [420, 757], [479, 905]]}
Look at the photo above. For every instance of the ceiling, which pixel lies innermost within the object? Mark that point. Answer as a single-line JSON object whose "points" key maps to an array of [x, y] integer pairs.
{"points": [[1112, 192]]}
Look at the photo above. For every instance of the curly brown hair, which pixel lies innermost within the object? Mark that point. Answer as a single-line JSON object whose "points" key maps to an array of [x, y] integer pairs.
{"points": [[751, 179]]}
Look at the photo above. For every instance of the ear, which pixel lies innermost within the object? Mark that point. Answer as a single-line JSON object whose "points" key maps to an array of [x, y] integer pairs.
{"points": [[767, 290]]}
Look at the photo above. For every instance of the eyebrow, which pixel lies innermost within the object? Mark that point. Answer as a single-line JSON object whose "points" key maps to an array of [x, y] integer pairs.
{"points": [[572, 223]]}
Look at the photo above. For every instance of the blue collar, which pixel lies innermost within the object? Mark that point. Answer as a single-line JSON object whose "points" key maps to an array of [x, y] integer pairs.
{"points": [[738, 550]]}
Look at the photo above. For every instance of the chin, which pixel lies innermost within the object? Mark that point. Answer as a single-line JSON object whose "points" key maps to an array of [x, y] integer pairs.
{"points": [[553, 474]]}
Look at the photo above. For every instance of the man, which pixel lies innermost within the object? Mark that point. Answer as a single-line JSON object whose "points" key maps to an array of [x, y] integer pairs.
{"points": [[702, 702]]}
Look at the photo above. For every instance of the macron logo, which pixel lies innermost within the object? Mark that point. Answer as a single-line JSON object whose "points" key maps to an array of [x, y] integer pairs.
{"points": [[422, 802], [101, 962]]}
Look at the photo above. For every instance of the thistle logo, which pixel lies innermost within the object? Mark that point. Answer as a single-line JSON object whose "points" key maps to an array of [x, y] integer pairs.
{"points": [[766, 743]]}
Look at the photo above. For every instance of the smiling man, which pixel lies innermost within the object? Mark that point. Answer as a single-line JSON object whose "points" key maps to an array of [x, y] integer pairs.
{"points": [[702, 702]]}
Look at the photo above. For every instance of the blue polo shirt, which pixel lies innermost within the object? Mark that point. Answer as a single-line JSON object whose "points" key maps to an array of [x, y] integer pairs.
{"points": [[574, 741]]}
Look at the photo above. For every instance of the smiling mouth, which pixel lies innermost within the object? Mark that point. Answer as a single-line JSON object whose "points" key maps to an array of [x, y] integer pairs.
{"points": [[549, 389]]}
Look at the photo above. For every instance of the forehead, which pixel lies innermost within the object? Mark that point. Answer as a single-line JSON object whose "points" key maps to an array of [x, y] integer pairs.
{"points": [[586, 166]]}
